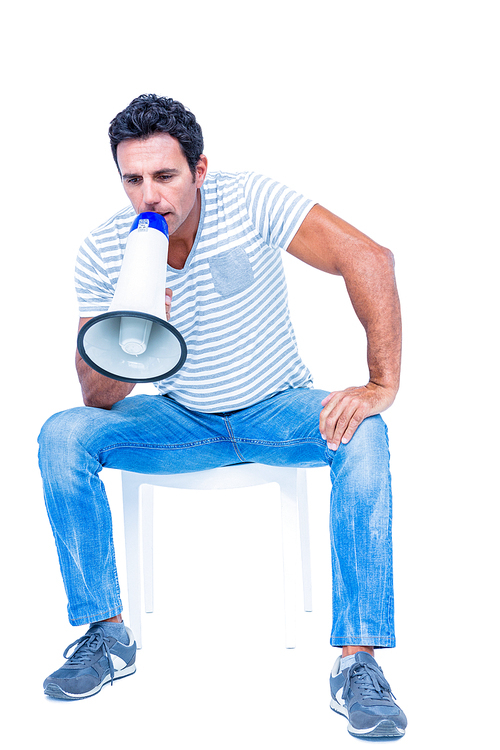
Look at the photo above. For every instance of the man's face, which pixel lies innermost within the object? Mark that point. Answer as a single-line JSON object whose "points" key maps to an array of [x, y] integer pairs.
{"points": [[156, 177]]}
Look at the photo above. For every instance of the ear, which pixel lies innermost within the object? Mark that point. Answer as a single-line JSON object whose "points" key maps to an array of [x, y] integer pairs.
{"points": [[201, 170]]}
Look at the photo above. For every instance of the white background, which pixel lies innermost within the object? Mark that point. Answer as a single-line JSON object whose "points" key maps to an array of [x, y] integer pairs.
{"points": [[387, 114]]}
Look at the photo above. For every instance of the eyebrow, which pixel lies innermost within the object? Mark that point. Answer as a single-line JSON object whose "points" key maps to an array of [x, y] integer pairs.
{"points": [[158, 173]]}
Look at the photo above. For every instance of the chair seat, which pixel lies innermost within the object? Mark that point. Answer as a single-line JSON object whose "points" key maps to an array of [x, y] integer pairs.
{"points": [[138, 496]]}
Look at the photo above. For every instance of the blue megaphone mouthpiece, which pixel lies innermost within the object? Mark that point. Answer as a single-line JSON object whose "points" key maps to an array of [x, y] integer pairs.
{"points": [[150, 220]]}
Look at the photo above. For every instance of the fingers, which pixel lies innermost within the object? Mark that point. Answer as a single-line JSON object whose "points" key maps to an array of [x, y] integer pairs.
{"points": [[328, 398], [342, 414], [168, 302], [343, 411]]}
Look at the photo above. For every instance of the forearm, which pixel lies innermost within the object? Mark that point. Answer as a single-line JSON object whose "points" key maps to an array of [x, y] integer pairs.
{"points": [[330, 244], [374, 296], [97, 390], [375, 299]]}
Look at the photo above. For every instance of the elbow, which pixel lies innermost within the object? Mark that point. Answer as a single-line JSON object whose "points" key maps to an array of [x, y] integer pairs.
{"points": [[389, 257], [382, 260], [97, 405], [104, 395], [369, 259], [384, 256], [95, 402]]}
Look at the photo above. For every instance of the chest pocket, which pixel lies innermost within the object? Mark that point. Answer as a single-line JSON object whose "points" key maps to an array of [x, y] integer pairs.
{"points": [[231, 272]]}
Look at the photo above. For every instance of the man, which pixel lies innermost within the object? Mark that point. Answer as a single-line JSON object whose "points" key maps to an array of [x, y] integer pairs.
{"points": [[243, 395]]}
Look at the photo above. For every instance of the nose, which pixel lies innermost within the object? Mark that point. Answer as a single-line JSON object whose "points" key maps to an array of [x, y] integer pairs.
{"points": [[150, 193]]}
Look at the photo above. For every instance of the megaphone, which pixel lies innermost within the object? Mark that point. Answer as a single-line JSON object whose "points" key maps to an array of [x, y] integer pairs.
{"points": [[133, 342]]}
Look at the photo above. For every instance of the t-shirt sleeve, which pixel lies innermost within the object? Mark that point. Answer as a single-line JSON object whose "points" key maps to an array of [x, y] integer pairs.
{"points": [[98, 264], [94, 289], [275, 210]]}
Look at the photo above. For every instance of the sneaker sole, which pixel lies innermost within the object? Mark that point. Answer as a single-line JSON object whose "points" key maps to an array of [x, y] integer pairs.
{"points": [[385, 729], [55, 691]]}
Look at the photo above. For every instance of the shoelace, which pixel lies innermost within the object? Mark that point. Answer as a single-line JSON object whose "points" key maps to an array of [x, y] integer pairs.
{"points": [[370, 681], [87, 646]]}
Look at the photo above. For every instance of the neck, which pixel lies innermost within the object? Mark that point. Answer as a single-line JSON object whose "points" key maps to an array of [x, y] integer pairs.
{"points": [[182, 241]]}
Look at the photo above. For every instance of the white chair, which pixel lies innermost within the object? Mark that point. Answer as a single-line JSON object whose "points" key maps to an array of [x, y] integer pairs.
{"points": [[294, 517]]}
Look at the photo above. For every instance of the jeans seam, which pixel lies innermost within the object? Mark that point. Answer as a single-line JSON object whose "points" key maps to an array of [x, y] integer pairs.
{"points": [[232, 438], [162, 446], [282, 443]]}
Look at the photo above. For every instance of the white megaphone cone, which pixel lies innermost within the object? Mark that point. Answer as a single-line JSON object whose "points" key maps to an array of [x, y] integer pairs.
{"points": [[133, 342]]}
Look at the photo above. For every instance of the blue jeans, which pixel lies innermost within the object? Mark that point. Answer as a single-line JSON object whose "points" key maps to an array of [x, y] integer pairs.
{"points": [[156, 435]]}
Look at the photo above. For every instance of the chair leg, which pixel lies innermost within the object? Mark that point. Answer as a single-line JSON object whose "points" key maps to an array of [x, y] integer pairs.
{"points": [[305, 547], [138, 519], [289, 527], [131, 519], [147, 493]]}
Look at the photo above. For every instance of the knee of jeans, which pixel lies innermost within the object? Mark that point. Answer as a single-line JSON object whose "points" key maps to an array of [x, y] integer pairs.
{"points": [[372, 432], [360, 469], [62, 430], [368, 449]]}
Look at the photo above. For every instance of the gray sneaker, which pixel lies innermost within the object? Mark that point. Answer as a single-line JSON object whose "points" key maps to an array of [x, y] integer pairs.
{"points": [[97, 659], [362, 694]]}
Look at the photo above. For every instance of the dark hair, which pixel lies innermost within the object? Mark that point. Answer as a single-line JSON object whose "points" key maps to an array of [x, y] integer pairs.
{"points": [[149, 114]]}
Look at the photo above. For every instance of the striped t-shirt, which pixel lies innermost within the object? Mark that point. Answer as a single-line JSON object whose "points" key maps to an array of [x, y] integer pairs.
{"points": [[229, 301]]}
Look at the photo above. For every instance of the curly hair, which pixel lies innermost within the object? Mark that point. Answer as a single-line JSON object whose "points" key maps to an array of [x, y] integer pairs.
{"points": [[149, 114]]}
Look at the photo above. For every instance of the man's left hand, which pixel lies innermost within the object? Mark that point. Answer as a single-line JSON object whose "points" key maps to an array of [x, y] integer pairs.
{"points": [[344, 411]]}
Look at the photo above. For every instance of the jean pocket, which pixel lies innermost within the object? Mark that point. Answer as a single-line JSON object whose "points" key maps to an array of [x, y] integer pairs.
{"points": [[231, 272]]}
